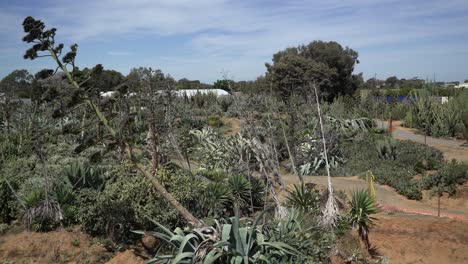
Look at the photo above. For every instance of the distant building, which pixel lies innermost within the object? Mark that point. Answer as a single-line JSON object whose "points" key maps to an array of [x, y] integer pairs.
{"points": [[180, 93], [192, 92], [462, 85], [449, 84]]}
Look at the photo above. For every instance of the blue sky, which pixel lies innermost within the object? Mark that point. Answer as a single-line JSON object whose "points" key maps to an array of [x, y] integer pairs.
{"points": [[208, 39]]}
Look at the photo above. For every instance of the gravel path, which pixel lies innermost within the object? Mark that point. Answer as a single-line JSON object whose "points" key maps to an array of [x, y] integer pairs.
{"points": [[452, 148], [410, 134]]}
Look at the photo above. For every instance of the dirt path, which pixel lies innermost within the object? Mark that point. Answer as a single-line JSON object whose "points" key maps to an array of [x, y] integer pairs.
{"points": [[386, 196], [419, 239], [452, 148]]}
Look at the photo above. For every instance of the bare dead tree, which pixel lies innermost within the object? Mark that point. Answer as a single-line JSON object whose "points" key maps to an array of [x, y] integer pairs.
{"points": [[330, 212]]}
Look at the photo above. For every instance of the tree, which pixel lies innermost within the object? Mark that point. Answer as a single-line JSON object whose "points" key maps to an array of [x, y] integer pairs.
{"points": [[392, 81], [327, 64], [226, 85], [17, 83]]}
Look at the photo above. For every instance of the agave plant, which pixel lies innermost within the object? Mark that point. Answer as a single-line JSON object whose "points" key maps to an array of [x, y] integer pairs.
{"points": [[349, 127], [233, 242], [386, 148], [82, 175], [362, 207]]}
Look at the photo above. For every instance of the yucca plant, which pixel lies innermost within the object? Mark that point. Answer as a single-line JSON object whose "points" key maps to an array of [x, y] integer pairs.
{"points": [[362, 207], [241, 189], [257, 192], [303, 199], [216, 197]]}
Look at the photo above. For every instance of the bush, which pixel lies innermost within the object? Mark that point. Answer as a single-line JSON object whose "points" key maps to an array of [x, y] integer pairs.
{"points": [[398, 173], [126, 203], [447, 178], [215, 121]]}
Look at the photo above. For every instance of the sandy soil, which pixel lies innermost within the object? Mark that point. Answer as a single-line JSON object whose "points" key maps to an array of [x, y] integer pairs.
{"points": [[416, 239]]}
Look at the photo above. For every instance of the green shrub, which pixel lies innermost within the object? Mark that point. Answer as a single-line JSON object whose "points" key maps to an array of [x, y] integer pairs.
{"points": [[447, 178], [215, 121], [126, 203], [398, 173]]}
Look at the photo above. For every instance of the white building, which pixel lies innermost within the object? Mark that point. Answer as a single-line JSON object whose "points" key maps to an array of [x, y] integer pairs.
{"points": [[462, 85], [192, 92]]}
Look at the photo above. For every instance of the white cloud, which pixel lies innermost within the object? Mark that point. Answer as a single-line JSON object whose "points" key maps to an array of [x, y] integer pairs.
{"points": [[241, 35]]}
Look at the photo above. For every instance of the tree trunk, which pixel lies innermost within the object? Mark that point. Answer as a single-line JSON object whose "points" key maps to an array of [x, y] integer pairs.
{"points": [[166, 195]]}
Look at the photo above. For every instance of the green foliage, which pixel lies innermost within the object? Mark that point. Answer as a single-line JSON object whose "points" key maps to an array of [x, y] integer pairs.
{"points": [[398, 173], [434, 118], [304, 235], [386, 148], [232, 242], [241, 189], [224, 85], [83, 175], [126, 202], [215, 121], [212, 175], [223, 193], [305, 199], [225, 102], [215, 199], [327, 64], [362, 207], [447, 179]]}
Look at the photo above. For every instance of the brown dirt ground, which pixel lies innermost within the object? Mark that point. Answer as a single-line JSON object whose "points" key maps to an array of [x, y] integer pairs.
{"points": [[20, 246], [126, 257], [416, 239], [234, 125]]}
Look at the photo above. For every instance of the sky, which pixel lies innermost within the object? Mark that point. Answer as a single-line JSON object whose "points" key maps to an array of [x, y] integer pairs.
{"points": [[212, 39]]}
